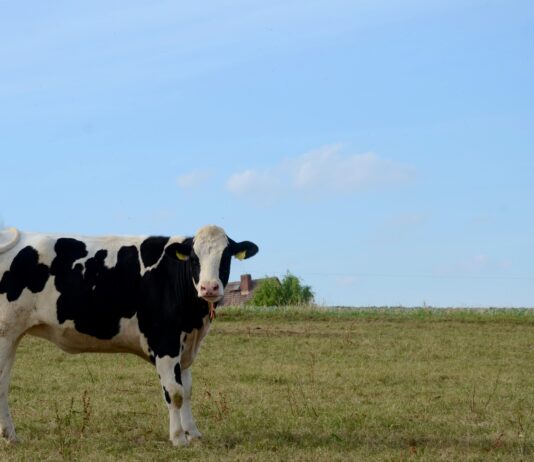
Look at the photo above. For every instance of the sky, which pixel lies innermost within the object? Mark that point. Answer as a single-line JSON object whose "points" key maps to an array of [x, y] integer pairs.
{"points": [[382, 151]]}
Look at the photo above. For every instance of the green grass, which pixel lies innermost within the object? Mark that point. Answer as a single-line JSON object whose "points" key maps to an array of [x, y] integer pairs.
{"points": [[297, 384], [305, 313]]}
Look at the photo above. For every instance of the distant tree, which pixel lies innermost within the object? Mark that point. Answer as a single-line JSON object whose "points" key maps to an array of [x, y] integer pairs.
{"points": [[289, 291]]}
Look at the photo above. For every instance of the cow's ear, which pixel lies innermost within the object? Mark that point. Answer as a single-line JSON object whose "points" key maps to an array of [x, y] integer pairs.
{"points": [[245, 249], [179, 251]]}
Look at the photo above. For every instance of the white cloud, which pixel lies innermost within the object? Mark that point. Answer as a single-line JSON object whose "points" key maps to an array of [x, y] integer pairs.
{"points": [[323, 171], [193, 179], [251, 180], [261, 186], [327, 169]]}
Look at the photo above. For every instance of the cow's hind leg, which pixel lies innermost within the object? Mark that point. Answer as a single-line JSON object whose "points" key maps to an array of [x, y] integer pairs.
{"points": [[7, 357], [188, 422], [170, 377]]}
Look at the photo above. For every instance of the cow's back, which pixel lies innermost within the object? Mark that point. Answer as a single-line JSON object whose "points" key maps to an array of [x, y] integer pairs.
{"points": [[82, 293]]}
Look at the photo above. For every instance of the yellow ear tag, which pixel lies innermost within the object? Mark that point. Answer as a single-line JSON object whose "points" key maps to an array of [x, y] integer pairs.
{"points": [[241, 255], [181, 256]]}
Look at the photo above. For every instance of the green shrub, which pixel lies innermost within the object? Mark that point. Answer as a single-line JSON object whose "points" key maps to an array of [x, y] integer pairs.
{"points": [[290, 291]]}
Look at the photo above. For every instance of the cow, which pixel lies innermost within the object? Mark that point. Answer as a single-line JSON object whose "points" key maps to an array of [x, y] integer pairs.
{"points": [[151, 296]]}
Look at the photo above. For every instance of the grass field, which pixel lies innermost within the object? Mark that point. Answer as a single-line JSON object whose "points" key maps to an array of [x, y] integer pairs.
{"points": [[297, 384]]}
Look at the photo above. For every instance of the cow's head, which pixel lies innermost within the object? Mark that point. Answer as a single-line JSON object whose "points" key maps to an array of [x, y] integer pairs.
{"points": [[209, 255]]}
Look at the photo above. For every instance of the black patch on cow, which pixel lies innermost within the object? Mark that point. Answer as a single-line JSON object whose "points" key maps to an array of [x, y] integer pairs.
{"points": [[96, 299], [67, 250], [178, 373], [25, 272], [224, 266], [170, 305], [152, 249], [194, 266], [167, 396]]}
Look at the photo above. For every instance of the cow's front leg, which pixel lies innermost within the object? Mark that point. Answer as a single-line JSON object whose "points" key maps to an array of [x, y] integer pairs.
{"points": [[171, 380], [188, 422]]}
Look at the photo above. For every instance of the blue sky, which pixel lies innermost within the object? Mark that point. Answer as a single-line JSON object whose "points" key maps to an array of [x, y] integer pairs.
{"points": [[383, 151]]}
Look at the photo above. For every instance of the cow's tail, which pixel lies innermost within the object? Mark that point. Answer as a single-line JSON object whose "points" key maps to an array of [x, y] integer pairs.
{"points": [[8, 239]]}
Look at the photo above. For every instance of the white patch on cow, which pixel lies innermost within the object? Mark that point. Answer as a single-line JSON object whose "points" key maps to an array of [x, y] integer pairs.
{"points": [[193, 342], [46, 304], [175, 392], [189, 425], [130, 337], [112, 251], [143, 342], [209, 244], [165, 367]]}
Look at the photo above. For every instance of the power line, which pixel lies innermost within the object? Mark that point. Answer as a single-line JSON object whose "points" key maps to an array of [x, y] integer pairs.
{"points": [[411, 276]]}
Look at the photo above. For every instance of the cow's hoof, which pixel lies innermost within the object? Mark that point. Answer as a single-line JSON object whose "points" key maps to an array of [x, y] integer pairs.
{"points": [[180, 440], [193, 435], [11, 440], [9, 436]]}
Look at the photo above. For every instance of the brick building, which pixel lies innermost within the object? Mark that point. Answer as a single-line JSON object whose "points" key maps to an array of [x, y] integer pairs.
{"points": [[239, 292]]}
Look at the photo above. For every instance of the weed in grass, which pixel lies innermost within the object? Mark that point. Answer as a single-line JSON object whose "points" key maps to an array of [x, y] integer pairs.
{"points": [[313, 364], [70, 425], [478, 406], [219, 404], [300, 404], [521, 425]]}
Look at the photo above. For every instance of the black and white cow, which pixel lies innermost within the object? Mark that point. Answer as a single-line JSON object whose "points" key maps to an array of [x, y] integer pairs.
{"points": [[151, 296]]}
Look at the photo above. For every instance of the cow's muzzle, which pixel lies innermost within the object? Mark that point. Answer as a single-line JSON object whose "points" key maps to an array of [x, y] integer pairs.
{"points": [[211, 291]]}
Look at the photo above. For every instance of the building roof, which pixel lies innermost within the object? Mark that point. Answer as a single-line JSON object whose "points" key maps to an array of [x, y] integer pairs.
{"points": [[240, 292]]}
